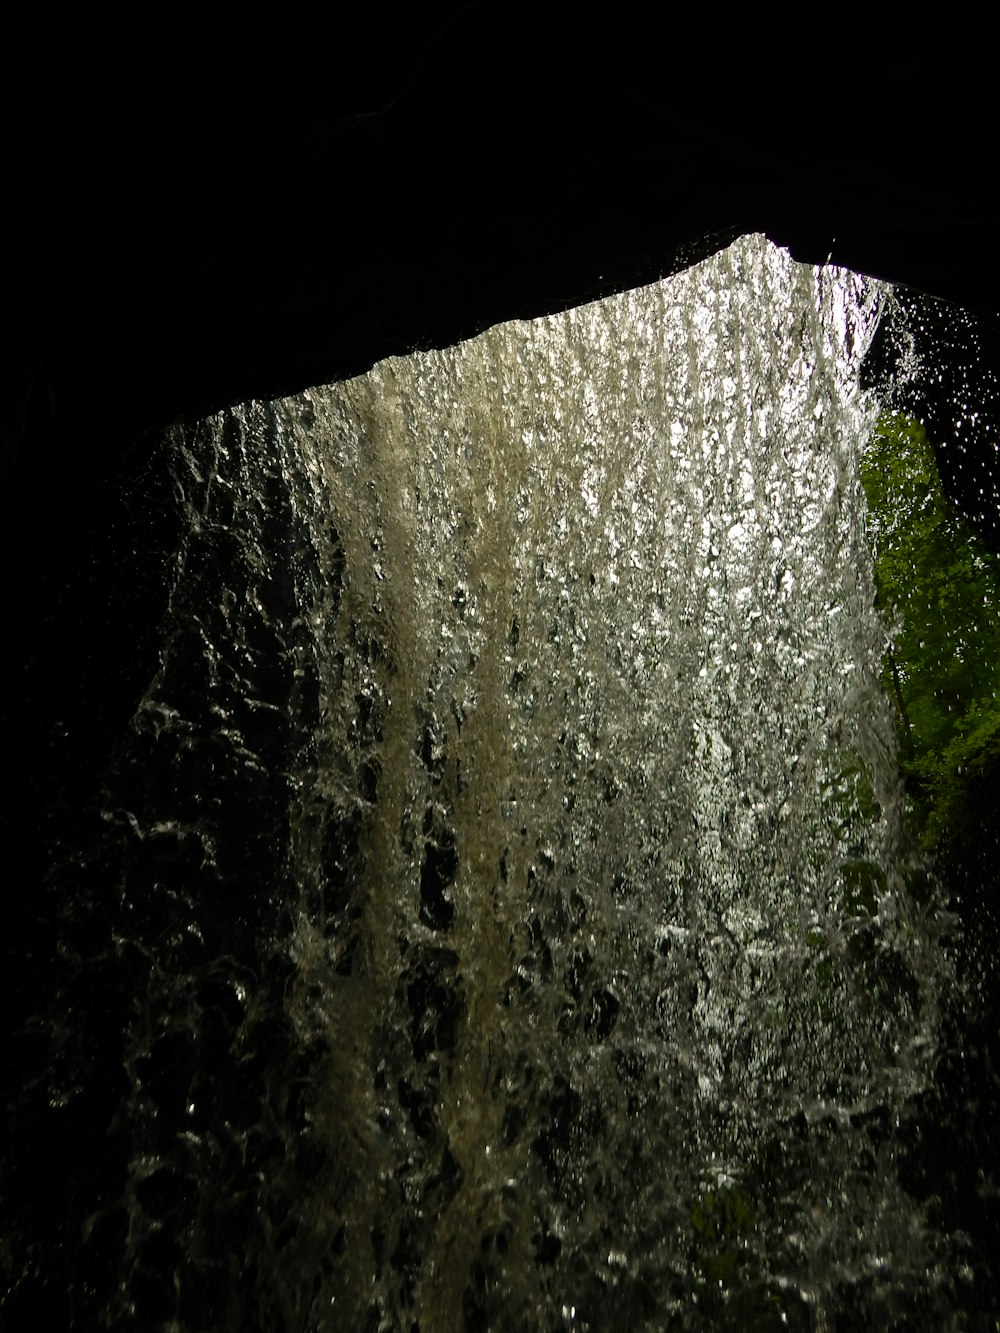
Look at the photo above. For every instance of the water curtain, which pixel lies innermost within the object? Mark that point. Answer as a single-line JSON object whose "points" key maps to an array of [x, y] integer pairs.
{"points": [[577, 970]]}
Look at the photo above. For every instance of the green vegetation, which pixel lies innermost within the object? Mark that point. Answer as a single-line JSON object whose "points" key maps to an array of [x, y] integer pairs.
{"points": [[864, 884], [938, 589], [729, 1289], [938, 592], [721, 1219]]}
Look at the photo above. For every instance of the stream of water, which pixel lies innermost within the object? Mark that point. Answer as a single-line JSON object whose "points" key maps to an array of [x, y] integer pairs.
{"points": [[602, 990]]}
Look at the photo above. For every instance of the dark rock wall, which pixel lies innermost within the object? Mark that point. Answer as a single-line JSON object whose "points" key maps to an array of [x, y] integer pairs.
{"points": [[178, 243]]}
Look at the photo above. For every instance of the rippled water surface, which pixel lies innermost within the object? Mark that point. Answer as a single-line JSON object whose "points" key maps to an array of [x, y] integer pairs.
{"points": [[589, 989]]}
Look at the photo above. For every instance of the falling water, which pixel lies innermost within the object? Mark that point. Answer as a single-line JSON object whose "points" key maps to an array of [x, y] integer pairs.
{"points": [[537, 947]]}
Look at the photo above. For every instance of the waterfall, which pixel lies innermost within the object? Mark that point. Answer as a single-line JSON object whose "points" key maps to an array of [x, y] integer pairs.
{"points": [[515, 844]]}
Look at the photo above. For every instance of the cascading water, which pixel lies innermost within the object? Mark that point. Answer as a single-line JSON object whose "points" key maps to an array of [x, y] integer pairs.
{"points": [[536, 946]]}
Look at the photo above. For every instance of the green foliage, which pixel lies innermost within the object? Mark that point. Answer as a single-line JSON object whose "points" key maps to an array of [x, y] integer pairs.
{"points": [[939, 591], [730, 1292], [723, 1213], [720, 1220], [864, 885]]}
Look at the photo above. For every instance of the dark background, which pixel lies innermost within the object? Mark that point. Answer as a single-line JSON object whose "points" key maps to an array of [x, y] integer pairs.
{"points": [[210, 208], [203, 209]]}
